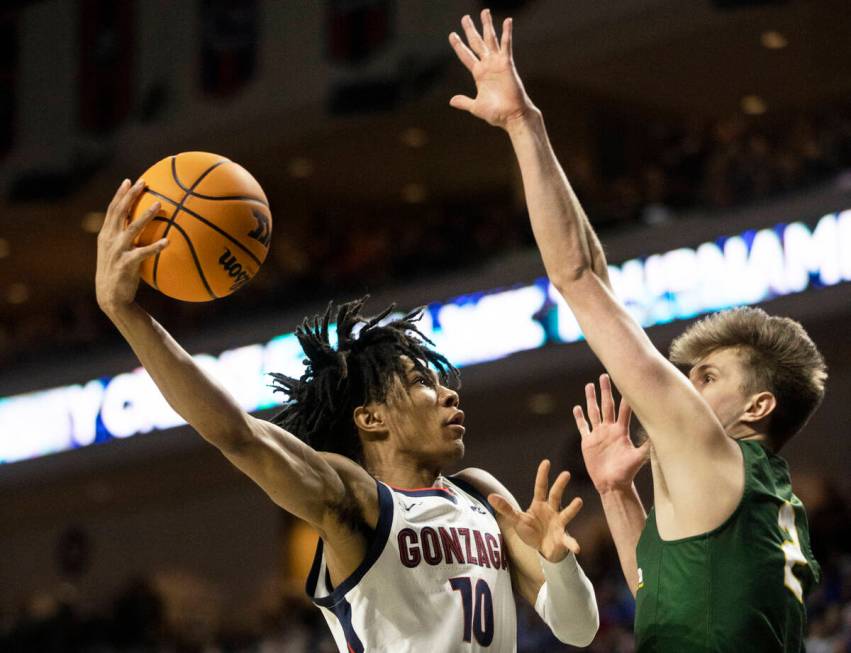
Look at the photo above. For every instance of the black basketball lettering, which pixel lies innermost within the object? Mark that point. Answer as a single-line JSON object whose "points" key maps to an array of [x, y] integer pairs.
{"points": [[262, 233], [227, 260], [234, 269]]}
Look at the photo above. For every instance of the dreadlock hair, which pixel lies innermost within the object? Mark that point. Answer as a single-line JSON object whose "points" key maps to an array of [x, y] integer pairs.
{"points": [[320, 405]]}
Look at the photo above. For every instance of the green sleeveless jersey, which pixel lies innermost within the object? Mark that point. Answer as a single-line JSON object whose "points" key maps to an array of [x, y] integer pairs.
{"points": [[739, 587]]}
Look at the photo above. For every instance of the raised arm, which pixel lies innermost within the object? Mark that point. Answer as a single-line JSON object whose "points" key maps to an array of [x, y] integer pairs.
{"points": [[304, 482], [612, 463], [501, 101], [544, 569], [682, 427]]}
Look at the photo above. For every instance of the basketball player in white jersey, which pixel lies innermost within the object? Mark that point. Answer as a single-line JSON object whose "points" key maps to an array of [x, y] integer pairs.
{"points": [[408, 559]]}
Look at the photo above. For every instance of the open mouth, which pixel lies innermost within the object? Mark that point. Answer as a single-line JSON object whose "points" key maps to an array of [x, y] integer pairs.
{"points": [[457, 419]]}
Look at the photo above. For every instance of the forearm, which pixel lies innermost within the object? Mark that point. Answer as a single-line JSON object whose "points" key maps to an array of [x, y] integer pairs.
{"points": [[626, 518], [202, 402], [564, 236], [567, 603], [576, 266]]}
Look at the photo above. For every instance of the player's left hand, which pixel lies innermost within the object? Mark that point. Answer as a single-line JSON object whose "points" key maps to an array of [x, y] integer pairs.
{"points": [[542, 526], [500, 96]]}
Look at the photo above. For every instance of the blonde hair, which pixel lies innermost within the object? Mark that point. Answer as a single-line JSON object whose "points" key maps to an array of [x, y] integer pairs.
{"points": [[777, 354]]}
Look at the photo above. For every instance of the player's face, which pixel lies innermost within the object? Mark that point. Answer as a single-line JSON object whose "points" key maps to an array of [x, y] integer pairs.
{"points": [[721, 379], [423, 418]]}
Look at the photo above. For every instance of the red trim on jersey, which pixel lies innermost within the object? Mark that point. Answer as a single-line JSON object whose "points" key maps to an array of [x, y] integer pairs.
{"points": [[420, 489]]}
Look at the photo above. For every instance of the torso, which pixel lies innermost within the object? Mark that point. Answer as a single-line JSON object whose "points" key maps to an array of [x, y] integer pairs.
{"points": [[435, 577], [739, 585], [696, 505]]}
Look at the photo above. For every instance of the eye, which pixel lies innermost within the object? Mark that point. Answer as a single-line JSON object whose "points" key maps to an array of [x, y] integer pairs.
{"points": [[708, 378]]}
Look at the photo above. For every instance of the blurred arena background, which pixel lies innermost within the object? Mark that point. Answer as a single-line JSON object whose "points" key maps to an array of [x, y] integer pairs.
{"points": [[710, 142]]}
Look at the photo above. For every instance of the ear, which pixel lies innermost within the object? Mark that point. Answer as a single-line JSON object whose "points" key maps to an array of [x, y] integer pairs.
{"points": [[369, 420], [760, 406]]}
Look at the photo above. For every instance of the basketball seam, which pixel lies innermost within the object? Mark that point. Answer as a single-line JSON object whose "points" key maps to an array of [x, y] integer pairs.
{"points": [[197, 181], [246, 198], [192, 192], [204, 220], [194, 257], [157, 257], [180, 205]]}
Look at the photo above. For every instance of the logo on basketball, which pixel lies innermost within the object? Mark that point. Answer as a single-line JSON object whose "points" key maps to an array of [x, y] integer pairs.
{"points": [[263, 233], [234, 269]]}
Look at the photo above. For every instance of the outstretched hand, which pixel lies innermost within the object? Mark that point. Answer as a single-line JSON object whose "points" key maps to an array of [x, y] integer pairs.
{"points": [[610, 457], [500, 96], [542, 526], [118, 258]]}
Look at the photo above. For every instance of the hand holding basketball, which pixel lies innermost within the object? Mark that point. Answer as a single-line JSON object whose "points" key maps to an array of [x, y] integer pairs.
{"points": [[217, 219], [210, 210], [118, 259]]}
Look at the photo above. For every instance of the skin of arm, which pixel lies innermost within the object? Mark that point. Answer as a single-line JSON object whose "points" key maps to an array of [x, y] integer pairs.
{"points": [[625, 516], [612, 462], [311, 485], [684, 431], [537, 532]]}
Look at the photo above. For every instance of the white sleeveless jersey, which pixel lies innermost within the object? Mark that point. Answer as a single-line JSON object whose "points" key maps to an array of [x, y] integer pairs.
{"points": [[435, 578]]}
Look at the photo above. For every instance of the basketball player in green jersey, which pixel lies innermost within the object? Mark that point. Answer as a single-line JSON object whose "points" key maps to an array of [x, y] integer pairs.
{"points": [[723, 562]]}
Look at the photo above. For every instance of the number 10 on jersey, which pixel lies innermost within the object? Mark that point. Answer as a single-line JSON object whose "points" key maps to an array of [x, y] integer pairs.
{"points": [[478, 609]]}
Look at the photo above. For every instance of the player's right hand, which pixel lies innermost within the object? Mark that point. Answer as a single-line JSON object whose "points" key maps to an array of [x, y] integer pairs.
{"points": [[610, 457], [118, 259]]}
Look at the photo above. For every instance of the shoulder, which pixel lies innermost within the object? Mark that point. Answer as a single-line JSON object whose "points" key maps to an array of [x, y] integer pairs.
{"points": [[485, 483]]}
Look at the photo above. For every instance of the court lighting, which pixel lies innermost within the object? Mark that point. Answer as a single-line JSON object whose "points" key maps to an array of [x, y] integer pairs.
{"points": [[414, 137], [18, 293], [92, 221], [414, 193], [542, 403], [753, 105], [300, 167], [773, 40]]}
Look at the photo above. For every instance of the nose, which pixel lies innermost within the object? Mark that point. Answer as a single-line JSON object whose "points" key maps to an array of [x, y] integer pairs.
{"points": [[449, 398]]}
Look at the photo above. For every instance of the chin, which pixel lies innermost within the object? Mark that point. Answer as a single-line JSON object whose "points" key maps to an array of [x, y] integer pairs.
{"points": [[458, 452], [451, 455]]}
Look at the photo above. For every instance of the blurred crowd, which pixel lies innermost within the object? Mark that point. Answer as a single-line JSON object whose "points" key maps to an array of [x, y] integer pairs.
{"points": [[673, 169], [713, 166], [140, 619]]}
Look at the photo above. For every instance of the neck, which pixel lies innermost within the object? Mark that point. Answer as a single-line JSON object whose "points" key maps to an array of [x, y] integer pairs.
{"points": [[747, 432], [398, 471]]}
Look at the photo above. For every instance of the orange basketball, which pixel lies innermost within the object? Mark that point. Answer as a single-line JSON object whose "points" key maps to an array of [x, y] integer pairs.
{"points": [[216, 218]]}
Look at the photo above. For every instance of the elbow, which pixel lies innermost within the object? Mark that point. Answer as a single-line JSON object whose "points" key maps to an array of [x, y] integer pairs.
{"points": [[590, 633], [230, 439], [582, 637], [569, 275], [582, 643], [580, 628]]}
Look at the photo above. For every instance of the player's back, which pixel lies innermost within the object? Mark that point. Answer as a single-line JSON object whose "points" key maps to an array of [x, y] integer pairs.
{"points": [[739, 587], [435, 578]]}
